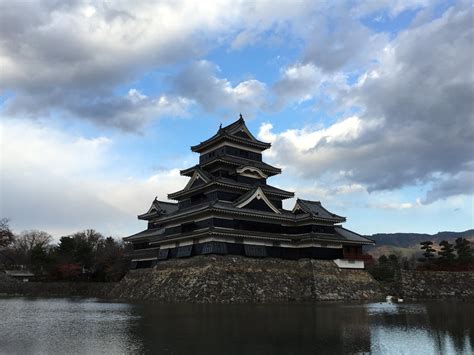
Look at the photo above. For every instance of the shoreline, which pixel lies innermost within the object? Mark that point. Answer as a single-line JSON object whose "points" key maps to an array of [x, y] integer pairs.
{"points": [[239, 280]]}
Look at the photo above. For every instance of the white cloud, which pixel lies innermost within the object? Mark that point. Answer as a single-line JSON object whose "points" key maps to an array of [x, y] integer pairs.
{"points": [[415, 121], [298, 83], [265, 133], [133, 196], [394, 205], [54, 181], [393, 7], [28, 147]]}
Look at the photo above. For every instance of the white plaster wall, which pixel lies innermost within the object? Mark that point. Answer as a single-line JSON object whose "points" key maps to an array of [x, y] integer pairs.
{"points": [[349, 264]]}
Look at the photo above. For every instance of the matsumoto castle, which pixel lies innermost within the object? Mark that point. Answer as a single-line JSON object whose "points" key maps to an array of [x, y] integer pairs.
{"points": [[227, 207]]}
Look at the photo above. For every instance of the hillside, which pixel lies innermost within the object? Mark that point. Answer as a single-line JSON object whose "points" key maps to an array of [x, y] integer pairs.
{"points": [[407, 244]]}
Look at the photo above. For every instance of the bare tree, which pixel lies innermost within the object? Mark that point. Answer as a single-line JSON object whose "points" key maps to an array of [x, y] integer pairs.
{"points": [[6, 235], [29, 241]]}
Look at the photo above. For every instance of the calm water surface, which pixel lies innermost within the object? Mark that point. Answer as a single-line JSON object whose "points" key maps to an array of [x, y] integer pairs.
{"points": [[71, 326]]}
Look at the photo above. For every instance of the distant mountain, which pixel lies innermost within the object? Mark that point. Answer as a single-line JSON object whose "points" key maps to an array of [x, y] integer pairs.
{"points": [[408, 244]]}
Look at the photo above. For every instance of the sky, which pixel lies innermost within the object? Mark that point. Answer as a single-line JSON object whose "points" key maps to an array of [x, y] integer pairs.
{"points": [[369, 106]]}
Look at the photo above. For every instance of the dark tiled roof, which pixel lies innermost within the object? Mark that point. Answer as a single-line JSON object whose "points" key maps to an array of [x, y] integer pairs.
{"points": [[205, 173], [352, 236], [242, 162], [316, 209], [234, 161], [266, 188], [304, 237], [245, 196], [159, 208], [168, 207], [228, 133], [226, 206], [229, 206], [147, 233], [222, 181]]}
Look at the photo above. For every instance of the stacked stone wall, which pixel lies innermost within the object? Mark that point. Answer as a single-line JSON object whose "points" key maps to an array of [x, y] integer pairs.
{"points": [[238, 279], [225, 279], [437, 284]]}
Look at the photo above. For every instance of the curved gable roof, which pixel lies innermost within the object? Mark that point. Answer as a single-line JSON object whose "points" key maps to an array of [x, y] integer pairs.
{"points": [[159, 208], [237, 132], [256, 193], [316, 209]]}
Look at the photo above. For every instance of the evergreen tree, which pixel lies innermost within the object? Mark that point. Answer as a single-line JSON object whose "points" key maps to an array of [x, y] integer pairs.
{"points": [[429, 252], [447, 252], [41, 258], [463, 249], [393, 259], [384, 269]]}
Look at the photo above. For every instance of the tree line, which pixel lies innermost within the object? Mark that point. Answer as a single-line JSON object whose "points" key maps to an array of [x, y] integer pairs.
{"points": [[86, 255], [457, 256], [444, 257]]}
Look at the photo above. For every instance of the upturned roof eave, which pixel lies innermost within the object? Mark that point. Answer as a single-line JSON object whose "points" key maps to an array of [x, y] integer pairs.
{"points": [[270, 190], [241, 162], [143, 235], [303, 204], [147, 216], [291, 238], [218, 137], [363, 238], [158, 208], [217, 207]]}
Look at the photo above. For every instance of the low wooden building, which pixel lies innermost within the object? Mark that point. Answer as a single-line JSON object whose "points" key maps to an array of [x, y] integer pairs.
{"points": [[227, 207], [21, 275]]}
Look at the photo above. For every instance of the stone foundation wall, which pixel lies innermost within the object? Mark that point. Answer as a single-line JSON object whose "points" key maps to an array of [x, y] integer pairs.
{"points": [[437, 284], [226, 279]]}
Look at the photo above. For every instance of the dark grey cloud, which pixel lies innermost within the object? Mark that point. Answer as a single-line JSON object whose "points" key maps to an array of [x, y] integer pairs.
{"points": [[425, 99], [334, 46], [336, 38], [70, 57], [128, 112], [460, 184], [417, 121]]}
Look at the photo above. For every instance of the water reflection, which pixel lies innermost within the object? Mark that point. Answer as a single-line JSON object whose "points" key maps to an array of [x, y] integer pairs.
{"points": [[90, 326], [442, 327], [258, 329]]}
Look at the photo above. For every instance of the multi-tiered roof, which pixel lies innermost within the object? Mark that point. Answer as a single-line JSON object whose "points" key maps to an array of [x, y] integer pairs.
{"points": [[227, 207]]}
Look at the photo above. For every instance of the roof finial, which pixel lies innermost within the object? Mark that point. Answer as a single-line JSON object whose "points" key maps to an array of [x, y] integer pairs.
{"points": [[220, 126], [241, 117]]}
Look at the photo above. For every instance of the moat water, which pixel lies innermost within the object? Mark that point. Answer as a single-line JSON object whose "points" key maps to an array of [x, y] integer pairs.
{"points": [[91, 326]]}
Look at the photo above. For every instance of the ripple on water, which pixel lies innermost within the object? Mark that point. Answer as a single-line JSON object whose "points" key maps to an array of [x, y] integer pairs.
{"points": [[91, 326]]}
